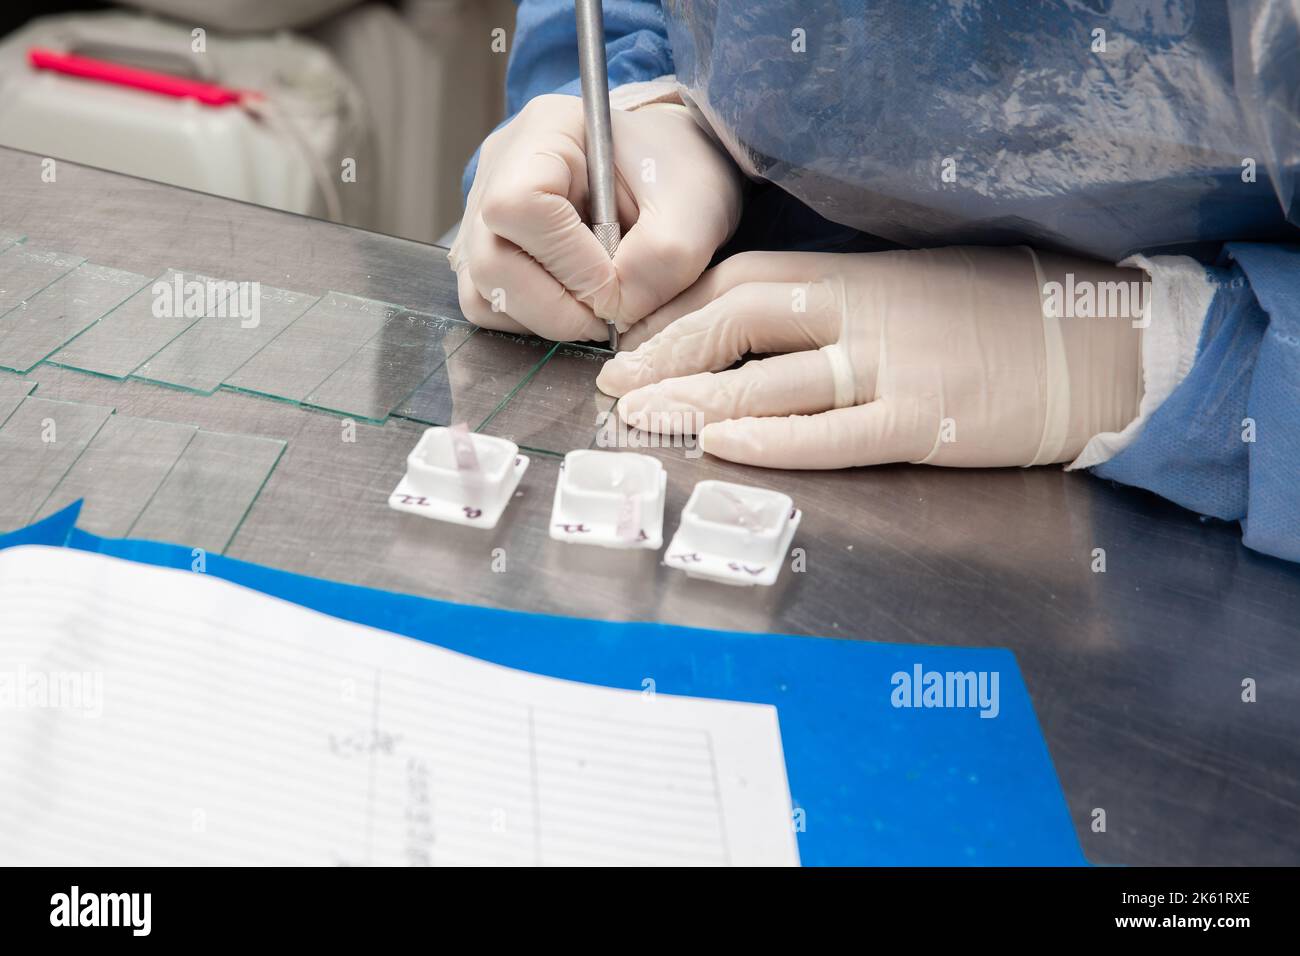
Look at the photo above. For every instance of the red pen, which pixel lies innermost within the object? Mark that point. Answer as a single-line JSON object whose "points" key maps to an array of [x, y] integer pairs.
{"points": [[103, 71]]}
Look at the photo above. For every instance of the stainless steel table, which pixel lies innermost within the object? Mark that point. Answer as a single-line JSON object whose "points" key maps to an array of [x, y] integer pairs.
{"points": [[1135, 673]]}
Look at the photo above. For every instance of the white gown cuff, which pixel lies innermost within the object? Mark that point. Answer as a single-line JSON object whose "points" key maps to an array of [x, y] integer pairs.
{"points": [[1179, 299], [631, 96]]}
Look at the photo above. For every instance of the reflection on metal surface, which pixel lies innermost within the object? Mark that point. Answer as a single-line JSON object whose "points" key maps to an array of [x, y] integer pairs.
{"points": [[477, 378], [386, 369], [558, 408], [308, 351]]}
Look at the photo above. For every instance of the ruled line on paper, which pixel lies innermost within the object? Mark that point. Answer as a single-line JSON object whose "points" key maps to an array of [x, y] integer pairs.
{"points": [[237, 728]]}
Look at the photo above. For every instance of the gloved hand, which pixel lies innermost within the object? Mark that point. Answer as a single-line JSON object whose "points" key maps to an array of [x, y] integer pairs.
{"points": [[525, 260], [940, 356]]}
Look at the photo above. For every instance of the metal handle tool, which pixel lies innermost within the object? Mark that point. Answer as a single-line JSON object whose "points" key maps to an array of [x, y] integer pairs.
{"points": [[600, 134]]}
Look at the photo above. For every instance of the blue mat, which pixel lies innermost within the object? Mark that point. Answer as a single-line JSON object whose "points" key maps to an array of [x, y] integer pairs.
{"points": [[872, 783]]}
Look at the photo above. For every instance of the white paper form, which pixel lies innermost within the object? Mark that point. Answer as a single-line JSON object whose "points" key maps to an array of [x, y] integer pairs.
{"points": [[157, 716]]}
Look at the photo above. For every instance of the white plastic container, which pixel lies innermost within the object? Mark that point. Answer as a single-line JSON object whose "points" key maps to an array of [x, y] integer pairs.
{"points": [[216, 149], [610, 498], [447, 481], [734, 534]]}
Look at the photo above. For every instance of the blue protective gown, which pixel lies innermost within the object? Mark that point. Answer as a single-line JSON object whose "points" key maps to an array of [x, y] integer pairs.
{"points": [[1099, 127]]}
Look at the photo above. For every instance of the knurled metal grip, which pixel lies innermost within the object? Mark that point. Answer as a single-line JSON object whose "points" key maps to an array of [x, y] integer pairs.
{"points": [[608, 235]]}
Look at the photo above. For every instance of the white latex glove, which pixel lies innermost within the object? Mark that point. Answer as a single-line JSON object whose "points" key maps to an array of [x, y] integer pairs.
{"points": [[525, 259], [941, 356]]}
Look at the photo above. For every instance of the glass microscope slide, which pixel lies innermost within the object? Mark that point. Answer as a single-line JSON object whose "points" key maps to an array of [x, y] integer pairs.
{"points": [[38, 444], [313, 347], [26, 270], [12, 392], [387, 368], [60, 312], [212, 349], [559, 408], [119, 472], [203, 499], [477, 378], [140, 327]]}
